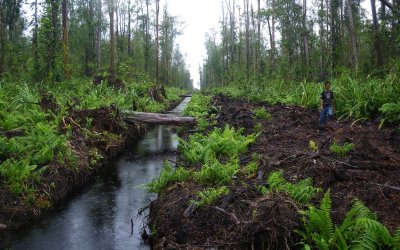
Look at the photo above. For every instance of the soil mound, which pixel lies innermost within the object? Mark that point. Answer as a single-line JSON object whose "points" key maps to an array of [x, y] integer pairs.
{"points": [[245, 219]]}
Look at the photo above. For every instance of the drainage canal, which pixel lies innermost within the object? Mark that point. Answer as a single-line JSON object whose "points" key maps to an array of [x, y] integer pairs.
{"points": [[101, 216]]}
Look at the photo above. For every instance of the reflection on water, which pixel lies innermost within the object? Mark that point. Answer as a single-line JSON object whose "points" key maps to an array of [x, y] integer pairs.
{"points": [[100, 217]]}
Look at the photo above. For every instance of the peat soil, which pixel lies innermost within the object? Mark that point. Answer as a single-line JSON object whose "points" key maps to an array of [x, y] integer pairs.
{"points": [[245, 219]]}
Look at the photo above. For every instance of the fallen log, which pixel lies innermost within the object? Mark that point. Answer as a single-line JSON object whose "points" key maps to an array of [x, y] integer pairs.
{"points": [[158, 119]]}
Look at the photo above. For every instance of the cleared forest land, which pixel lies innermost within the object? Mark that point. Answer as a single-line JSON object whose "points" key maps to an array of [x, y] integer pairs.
{"points": [[258, 205]]}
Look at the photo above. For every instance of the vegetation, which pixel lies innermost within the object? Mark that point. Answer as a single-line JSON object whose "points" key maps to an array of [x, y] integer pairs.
{"points": [[302, 191], [209, 195], [341, 151], [59, 41], [199, 107], [262, 114], [282, 40], [355, 98], [167, 176], [359, 230], [216, 144], [23, 159], [312, 145]]}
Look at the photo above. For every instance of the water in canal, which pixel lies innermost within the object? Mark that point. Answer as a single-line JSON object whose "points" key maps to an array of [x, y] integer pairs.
{"points": [[100, 217]]}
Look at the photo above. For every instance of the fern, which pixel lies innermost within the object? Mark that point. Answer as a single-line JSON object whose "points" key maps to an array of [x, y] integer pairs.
{"points": [[167, 176], [302, 192], [209, 195], [359, 230], [396, 239]]}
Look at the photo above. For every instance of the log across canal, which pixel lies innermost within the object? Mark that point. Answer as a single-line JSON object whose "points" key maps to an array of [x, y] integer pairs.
{"points": [[159, 119]]}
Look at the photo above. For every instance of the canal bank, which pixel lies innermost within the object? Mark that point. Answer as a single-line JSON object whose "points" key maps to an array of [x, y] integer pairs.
{"points": [[101, 215]]}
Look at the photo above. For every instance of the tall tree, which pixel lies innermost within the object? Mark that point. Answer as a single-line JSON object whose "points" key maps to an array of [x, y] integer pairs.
{"points": [[65, 39], [157, 43], [377, 39], [354, 52], [112, 70]]}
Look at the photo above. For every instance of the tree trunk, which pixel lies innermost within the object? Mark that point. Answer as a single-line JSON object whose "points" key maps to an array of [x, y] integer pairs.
{"points": [[112, 41], [2, 39], [354, 57], [98, 45], [35, 43], [334, 35], [305, 30], [129, 27], [146, 49], [157, 43], [377, 41], [65, 39], [247, 27], [321, 43], [258, 52]]}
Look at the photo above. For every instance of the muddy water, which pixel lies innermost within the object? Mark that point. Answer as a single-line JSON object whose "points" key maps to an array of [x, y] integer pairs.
{"points": [[101, 217]]}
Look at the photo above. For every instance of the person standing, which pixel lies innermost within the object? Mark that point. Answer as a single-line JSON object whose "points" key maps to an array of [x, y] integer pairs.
{"points": [[327, 104]]}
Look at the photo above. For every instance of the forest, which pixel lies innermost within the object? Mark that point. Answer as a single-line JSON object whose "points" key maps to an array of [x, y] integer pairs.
{"points": [[256, 170]]}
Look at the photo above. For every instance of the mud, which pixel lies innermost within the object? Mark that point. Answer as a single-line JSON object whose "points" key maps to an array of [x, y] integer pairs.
{"points": [[371, 172]]}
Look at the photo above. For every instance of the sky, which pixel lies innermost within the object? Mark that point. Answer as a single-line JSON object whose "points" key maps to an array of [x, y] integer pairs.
{"points": [[199, 17]]}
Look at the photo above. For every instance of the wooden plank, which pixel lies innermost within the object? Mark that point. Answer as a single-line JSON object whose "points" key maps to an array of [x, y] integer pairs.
{"points": [[160, 119]]}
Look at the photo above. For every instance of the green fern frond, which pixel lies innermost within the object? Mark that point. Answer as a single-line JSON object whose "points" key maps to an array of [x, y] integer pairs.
{"points": [[371, 234], [396, 239], [326, 205]]}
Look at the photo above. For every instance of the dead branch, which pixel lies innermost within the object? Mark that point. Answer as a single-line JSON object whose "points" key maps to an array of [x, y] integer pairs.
{"points": [[231, 216]]}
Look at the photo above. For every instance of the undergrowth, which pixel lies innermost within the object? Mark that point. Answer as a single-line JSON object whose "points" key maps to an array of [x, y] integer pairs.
{"points": [[359, 230], [200, 108], [23, 158], [216, 144], [355, 98]]}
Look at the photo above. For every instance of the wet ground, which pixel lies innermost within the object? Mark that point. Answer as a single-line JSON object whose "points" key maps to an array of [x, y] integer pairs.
{"points": [[371, 172]]}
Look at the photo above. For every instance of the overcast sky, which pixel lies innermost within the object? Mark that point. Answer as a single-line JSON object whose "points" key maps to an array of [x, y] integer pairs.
{"points": [[199, 16]]}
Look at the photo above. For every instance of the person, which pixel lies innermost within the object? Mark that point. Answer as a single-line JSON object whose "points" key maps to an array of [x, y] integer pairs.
{"points": [[327, 104]]}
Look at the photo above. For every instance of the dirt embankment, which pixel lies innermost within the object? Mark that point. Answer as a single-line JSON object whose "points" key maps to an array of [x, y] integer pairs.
{"points": [[249, 220], [97, 136]]}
